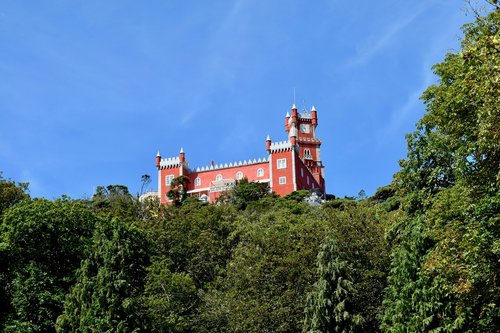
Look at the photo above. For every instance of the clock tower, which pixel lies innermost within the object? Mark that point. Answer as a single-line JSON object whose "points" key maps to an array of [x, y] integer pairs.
{"points": [[308, 146]]}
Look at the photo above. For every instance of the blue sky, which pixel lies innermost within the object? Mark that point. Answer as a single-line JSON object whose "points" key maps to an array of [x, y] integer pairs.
{"points": [[90, 90]]}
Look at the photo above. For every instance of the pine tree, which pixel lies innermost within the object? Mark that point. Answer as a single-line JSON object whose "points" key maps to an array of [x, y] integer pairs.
{"points": [[328, 304]]}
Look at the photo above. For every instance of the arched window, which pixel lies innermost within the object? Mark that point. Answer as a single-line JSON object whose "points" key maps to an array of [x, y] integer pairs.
{"points": [[260, 172], [197, 181], [239, 175], [307, 154], [218, 177]]}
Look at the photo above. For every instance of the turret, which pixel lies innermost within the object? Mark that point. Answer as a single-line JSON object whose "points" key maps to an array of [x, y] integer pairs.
{"points": [[268, 144], [287, 120], [181, 156], [293, 135], [158, 159], [294, 114], [314, 116]]}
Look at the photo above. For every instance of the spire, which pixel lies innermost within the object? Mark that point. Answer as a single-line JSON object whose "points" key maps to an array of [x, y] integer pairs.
{"points": [[313, 108], [158, 154], [293, 106], [182, 150], [268, 138], [287, 115]]}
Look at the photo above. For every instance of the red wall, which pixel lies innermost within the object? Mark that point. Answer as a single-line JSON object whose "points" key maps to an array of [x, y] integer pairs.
{"points": [[249, 172], [287, 172], [165, 188]]}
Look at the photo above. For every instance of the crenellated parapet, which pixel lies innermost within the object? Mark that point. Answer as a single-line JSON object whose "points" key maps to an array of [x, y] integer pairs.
{"points": [[280, 146], [170, 162], [231, 165]]}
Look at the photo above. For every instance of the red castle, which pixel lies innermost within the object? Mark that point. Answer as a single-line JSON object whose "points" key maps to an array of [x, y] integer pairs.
{"points": [[291, 165]]}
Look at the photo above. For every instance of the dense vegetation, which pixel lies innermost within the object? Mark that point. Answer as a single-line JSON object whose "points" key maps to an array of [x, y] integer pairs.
{"points": [[421, 255]]}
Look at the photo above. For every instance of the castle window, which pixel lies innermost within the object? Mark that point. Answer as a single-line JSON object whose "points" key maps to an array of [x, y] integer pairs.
{"points": [[239, 175], [218, 177], [307, 180], [168, 179], [197, 181], [260, 172], [281, 163], [307, 154], [282, 180], [301, 172]]}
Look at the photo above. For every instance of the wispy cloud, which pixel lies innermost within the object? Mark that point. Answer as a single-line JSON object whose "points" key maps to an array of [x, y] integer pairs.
{"points": [[375, 44], [219, 60]]}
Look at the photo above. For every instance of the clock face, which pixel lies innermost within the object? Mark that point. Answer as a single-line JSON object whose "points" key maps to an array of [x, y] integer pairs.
{"points": [[305, 128]]}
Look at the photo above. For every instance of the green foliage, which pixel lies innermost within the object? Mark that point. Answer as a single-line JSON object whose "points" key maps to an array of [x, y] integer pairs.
{"points": [[329, 304], [264, 287], [193, 238], [246, 192], [359, 233], [445, 258], [169, 299], [109, 283], [177, 193], [10, 194], [114, 200], [41, 246]]}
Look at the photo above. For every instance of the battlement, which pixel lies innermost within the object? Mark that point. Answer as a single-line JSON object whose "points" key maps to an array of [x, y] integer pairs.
{"points": [[231, 165], [170, 162], [280, 146]]}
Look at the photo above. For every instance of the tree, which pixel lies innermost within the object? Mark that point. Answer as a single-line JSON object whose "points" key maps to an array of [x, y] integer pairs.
{"points": [[145, 181], [177, 192], [169, 298], [115, 200], [11, 193], [110, 281], [329, 305], [245, 192]]}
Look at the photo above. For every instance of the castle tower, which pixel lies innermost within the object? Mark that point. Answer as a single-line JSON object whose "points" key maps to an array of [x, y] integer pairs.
{"points": [[303, 125]]}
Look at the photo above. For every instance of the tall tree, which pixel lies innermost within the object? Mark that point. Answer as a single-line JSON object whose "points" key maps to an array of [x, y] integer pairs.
{"points": [[329, 304]]}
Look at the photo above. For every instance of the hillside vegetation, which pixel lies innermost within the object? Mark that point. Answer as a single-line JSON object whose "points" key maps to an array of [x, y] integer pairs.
{"points": [[421, 255]]}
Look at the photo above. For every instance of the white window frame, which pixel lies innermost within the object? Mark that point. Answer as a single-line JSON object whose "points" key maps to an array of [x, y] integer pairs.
{"points": [[301, 172], [307, 180], [239, 175], [168, 179], [197, 181], [281, 163], [260, 172], [282, 180], [218, 177]]}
